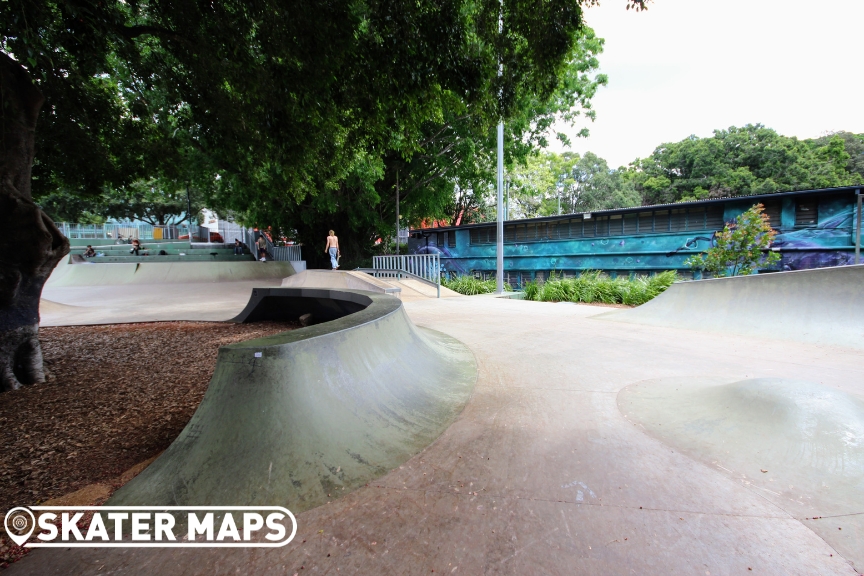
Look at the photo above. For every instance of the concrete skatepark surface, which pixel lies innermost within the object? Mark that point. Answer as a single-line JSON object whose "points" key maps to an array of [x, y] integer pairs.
{"points": [[822, 306], [90, 293], [562, 463], [293, 417], [799, 443], [406, 289]]}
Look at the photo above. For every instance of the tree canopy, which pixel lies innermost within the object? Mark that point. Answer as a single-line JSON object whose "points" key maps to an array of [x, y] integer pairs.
{"points": [[290, 115], [573, 182], [745, 161]]}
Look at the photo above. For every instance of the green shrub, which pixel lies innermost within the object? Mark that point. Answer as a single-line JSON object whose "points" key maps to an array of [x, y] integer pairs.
{"points": [[470, 286], [531, 289], [592, 286]]}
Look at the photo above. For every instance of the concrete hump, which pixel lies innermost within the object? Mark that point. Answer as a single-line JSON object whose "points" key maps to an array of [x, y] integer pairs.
{"points": [[823, 306], [338, 279], [306, 416]]}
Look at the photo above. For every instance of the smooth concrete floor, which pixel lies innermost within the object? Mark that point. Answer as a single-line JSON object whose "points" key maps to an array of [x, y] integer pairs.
{"points": [[542, 473]]}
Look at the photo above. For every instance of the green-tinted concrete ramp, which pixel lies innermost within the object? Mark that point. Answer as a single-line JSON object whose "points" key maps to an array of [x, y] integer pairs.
{"points": [[406, 290], [307, 416], [102, 274], [824, 306], [339, 280]]}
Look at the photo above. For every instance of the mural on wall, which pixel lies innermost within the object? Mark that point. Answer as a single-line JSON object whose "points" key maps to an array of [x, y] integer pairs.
{"points": [[829, 242], [810, 247]]}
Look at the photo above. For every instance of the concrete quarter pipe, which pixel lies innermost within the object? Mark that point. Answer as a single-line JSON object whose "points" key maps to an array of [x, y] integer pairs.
{"points": [[822, 306], [304, 417]]}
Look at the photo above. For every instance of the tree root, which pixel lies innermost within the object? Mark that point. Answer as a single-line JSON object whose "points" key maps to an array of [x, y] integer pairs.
{"points": [[20, 358]]}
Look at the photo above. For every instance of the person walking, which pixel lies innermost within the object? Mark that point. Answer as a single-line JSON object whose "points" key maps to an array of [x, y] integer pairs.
{"points": [[333, 249], [262, 248]]}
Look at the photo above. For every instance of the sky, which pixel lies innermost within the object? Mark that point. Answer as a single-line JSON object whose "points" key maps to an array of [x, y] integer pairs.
{"points": [[688, 67]]}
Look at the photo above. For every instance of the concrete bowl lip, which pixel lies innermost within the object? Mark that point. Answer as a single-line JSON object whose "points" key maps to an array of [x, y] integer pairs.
{"points": [[743, 278], [378, 307]]}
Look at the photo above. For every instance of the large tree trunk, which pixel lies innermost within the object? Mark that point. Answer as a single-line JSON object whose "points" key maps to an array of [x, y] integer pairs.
{"points": [[30, 243]]}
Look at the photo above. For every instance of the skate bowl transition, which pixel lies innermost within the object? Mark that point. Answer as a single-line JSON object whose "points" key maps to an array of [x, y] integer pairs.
{"points": [[78, 272], [822, 306], [301, 418]]}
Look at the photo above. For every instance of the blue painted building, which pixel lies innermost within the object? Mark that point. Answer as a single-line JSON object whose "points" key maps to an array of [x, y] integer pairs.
{"points": [[815, 229]]}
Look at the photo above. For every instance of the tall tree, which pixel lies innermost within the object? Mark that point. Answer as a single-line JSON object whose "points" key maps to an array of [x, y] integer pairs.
{"points": [[570, 183], [740, 162], [285, 105]]}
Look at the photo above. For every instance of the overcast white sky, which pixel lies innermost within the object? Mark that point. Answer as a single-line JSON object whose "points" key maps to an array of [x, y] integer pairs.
{"points": [[687, 67]]}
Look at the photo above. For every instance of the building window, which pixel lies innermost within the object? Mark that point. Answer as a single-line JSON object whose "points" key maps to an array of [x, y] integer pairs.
{"points": [[602, 226], [714, 219], [806, 214], [678, 220], [588, 228], [575, 230], [451, 239], [772, 210], [510, 233], [661, 221], [646, 222], [484, 235]]}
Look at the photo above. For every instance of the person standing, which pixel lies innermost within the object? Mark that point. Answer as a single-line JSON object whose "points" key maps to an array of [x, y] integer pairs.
{"points": [[333, 249], [262, 248]]}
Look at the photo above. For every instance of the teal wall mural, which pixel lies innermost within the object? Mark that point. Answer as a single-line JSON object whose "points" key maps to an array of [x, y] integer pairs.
{"points": [[815, 229]]}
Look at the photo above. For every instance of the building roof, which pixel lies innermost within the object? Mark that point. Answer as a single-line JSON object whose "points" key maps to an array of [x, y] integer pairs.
{"points": [[707, 202]]}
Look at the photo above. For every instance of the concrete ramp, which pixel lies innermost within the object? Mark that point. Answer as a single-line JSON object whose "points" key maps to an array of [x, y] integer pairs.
{"points": [[339, 280], [304, 417], [77, 273], [823, 306], [406, 289]]}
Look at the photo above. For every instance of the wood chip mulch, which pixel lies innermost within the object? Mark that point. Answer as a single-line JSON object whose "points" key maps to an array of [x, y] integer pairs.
{"points": [[116, 395]]}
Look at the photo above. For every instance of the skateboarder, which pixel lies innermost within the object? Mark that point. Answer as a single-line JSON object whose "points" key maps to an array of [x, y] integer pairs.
{"points": [[333, 249]]}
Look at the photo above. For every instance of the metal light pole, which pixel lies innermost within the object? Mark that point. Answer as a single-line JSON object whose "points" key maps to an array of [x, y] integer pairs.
{"points": [[507, 200], [858, 228], [499, 265], [397, 212]]}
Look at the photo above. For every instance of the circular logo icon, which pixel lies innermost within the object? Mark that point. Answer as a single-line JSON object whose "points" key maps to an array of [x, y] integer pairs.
{"points": [[20, 524]]}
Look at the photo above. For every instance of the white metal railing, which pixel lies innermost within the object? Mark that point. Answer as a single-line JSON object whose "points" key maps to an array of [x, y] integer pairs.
{"points": [[278, 253], [426, 266], [122, 230], [285, 253]]}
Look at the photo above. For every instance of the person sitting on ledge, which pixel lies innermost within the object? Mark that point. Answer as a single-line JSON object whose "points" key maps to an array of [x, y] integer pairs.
{"points": [[89, 252], [136, 246], [238, 247]]}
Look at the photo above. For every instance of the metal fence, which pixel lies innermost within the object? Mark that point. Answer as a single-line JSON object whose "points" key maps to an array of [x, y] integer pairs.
{"points": [[285, 253], [426, 266], [122, 230], [279, 253]]}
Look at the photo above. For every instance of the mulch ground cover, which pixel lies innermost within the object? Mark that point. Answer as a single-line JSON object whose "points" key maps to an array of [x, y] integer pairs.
{"points": [[116, 396]]}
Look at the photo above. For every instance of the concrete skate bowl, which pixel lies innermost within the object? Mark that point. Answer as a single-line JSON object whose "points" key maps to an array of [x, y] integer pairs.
{"points": [[823, 306], [306, 416], [798, 444], [77, 272]]}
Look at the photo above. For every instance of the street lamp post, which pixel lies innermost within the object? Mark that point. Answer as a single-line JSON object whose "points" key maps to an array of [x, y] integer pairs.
{"points": [[499, 248]]}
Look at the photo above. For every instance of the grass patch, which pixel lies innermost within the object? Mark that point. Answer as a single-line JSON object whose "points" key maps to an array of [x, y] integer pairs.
{"points": [[592, 286], [470, 286]]}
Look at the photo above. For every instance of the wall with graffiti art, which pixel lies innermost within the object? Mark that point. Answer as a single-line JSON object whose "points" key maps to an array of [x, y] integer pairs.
{"points": [[815, 229]]}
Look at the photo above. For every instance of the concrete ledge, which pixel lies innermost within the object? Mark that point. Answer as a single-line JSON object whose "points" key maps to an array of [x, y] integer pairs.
{"points": [[304, 417]]}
